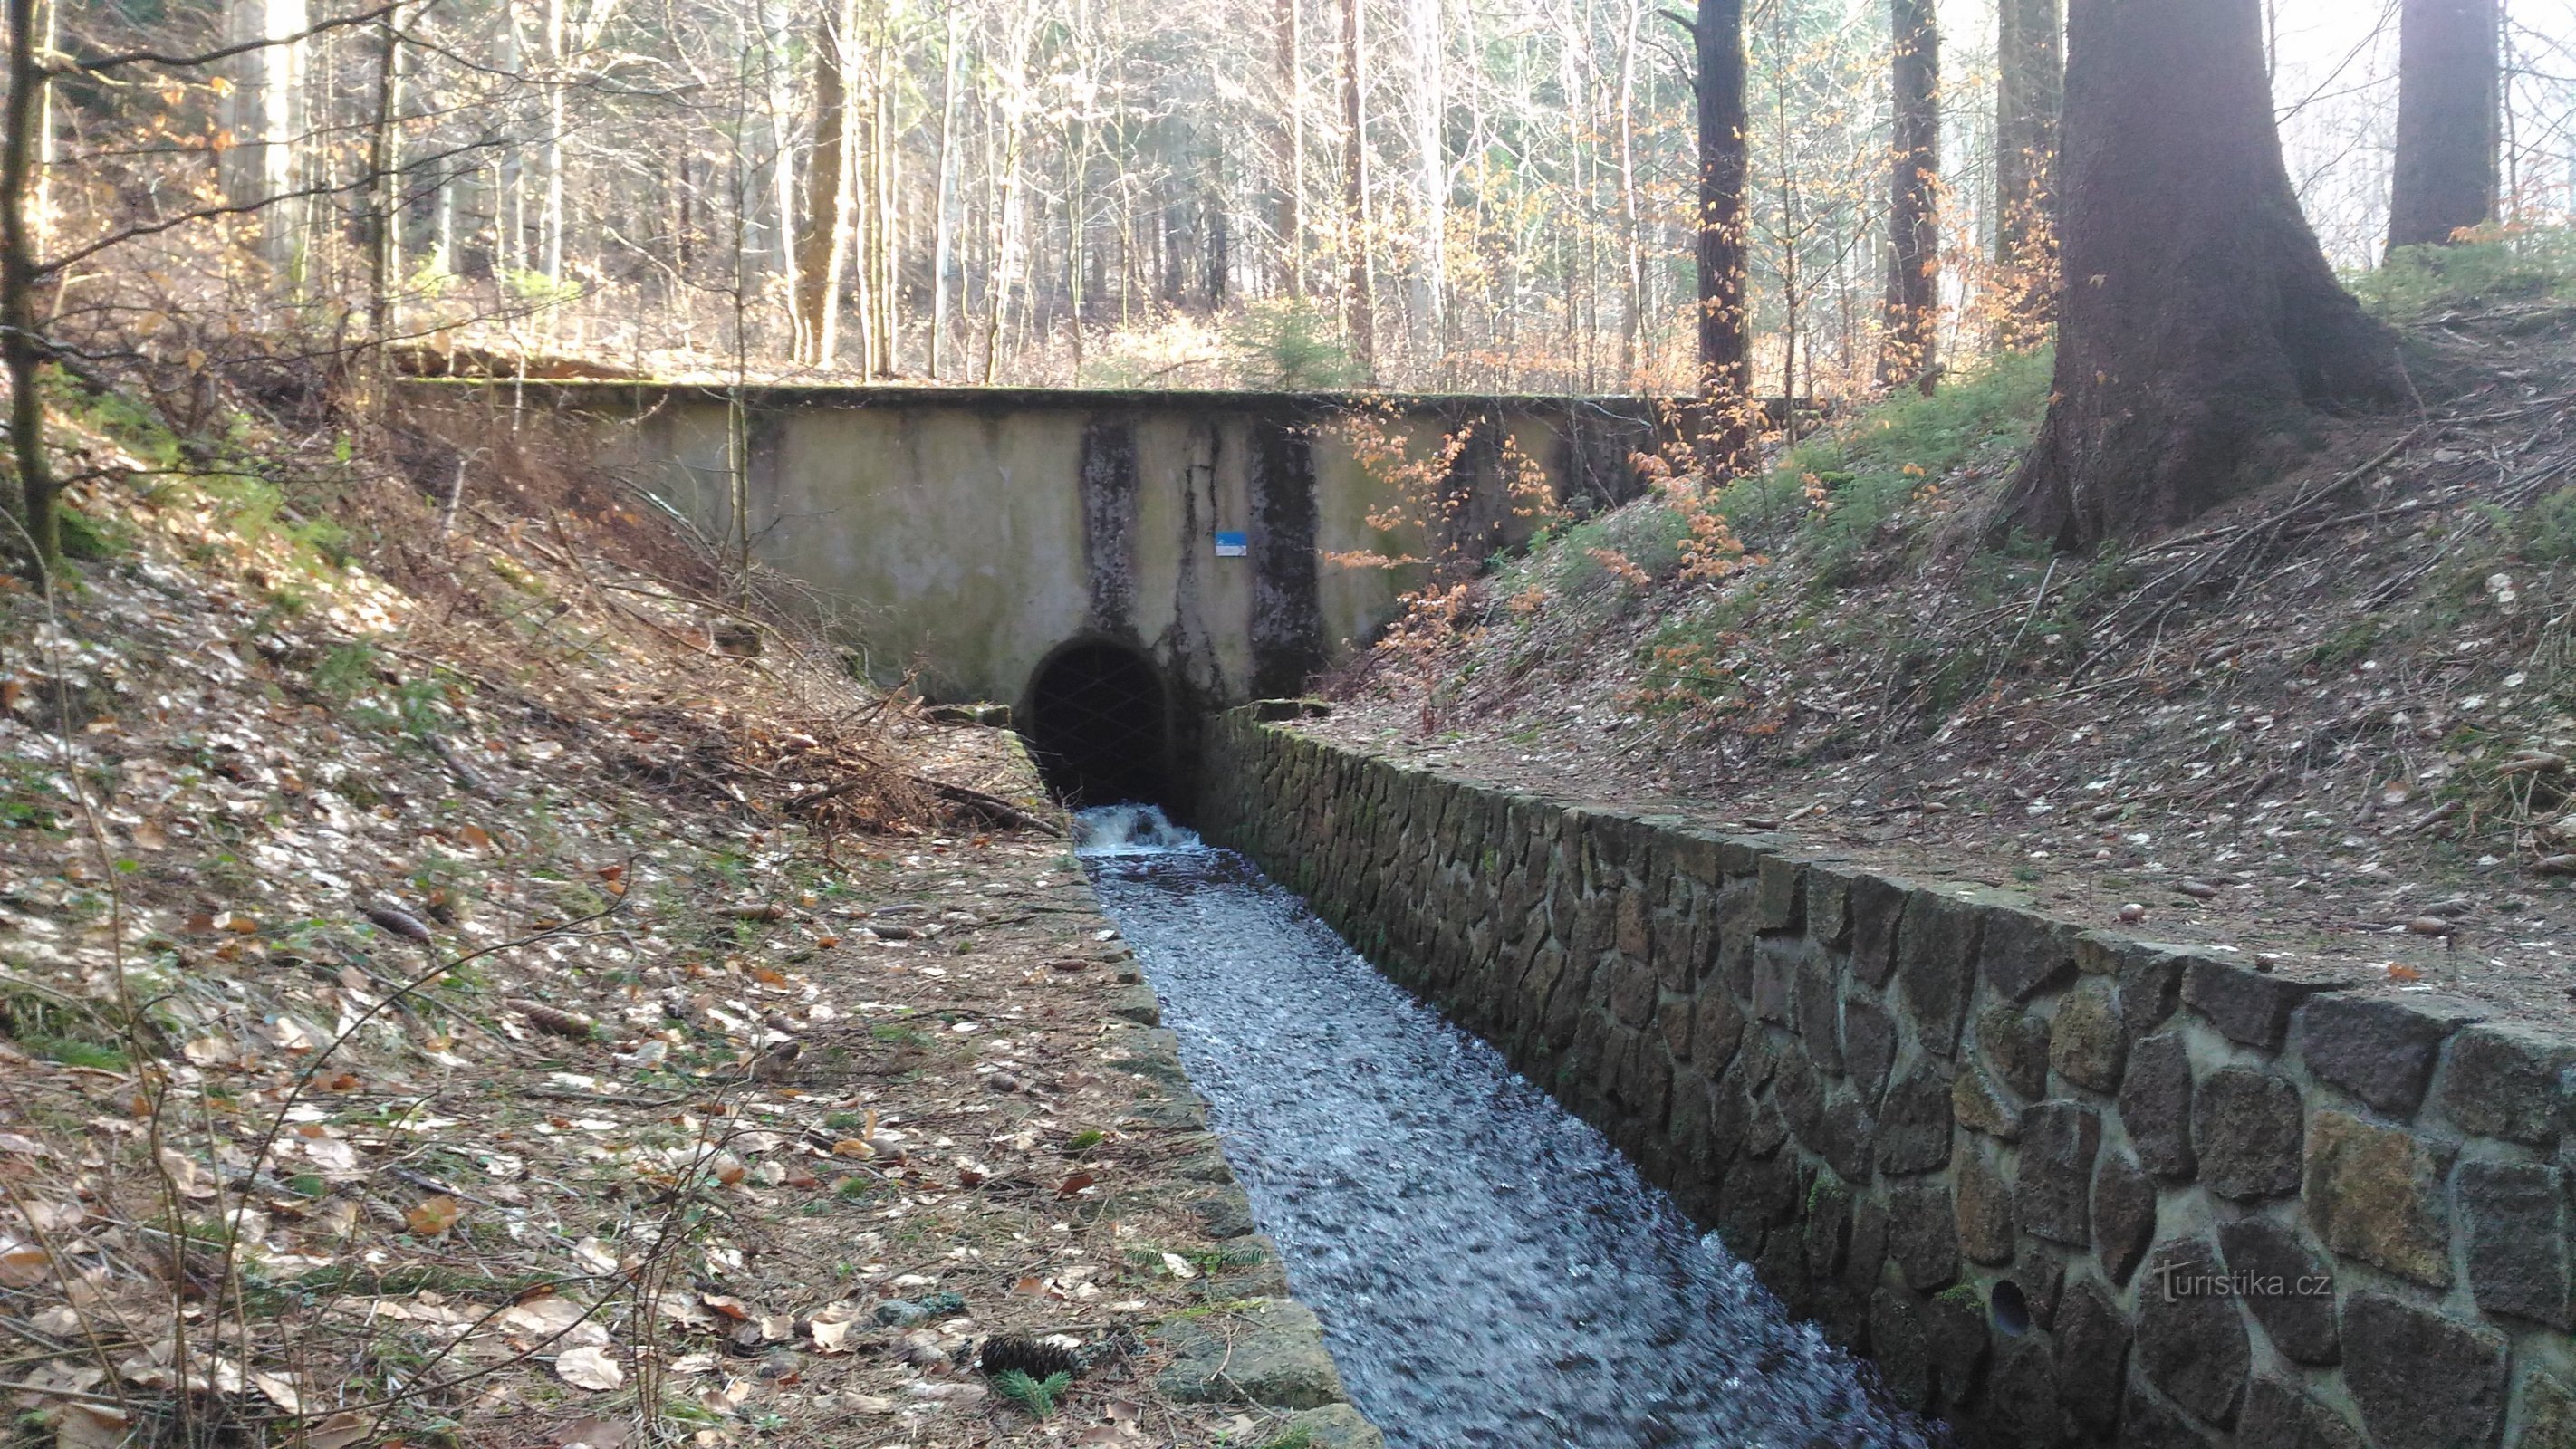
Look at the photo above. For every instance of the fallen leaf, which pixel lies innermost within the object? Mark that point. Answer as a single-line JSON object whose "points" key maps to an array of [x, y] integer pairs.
{"points": [[434, 1216], [589, 1368], [554, 1317], [24, 1267], [89, 1426], [338, 1432], [830, 1337], [594, 1433]]}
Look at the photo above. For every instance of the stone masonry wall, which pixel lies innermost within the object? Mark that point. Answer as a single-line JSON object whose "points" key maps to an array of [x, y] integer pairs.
{"points": [[2065, 1187]]}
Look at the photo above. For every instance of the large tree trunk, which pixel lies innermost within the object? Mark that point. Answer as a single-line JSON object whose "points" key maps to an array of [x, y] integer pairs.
{"points": [[2446, 120], [1725, 357], [2199, 319], [1909, 353], [1360, 300], [2030, 88], [831, 200]]}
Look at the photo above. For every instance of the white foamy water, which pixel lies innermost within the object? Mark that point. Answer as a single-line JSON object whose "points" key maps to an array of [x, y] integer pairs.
{"points": [[1129, 830]]}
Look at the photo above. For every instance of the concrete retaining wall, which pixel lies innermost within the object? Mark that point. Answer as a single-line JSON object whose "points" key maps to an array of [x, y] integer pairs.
{"points": [[2065, 1187], [967, 533]]}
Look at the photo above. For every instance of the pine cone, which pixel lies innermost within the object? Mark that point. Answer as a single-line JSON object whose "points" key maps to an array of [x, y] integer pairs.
{"points": [[1039, 1361]]}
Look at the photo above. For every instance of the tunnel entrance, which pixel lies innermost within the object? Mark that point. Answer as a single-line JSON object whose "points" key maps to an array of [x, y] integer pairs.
{"points": [[1099, 724]]}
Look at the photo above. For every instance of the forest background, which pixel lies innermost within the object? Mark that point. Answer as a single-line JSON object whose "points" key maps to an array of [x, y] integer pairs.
{"points": [[1428, 195]]}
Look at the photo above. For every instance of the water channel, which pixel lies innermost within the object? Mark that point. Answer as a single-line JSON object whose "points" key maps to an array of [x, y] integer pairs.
{"points": [[1489, 1270]]}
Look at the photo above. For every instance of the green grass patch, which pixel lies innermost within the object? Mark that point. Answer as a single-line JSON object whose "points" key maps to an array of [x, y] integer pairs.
{"points": [[57, 1030], [1870, 465], [90, 539], [2494, 265], [71, 1051]]}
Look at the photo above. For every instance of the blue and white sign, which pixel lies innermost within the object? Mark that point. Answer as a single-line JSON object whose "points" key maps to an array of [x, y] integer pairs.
{"points": [[1233, 545]]}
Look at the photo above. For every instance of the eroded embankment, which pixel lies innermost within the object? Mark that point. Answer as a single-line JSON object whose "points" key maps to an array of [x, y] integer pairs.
{"points": [[2063, 1186]]}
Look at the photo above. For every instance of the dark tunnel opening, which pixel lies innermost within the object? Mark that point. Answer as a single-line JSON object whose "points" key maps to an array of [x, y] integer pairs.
{"points": [[1099, 724]]}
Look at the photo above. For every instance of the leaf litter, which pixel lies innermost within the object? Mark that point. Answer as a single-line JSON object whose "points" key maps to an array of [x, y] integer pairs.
{"points": [[447, 998]]}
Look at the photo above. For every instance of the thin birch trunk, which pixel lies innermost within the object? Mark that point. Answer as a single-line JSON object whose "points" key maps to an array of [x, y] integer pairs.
{"points": [[1292, 98], [942, 229], [1359, 301]]}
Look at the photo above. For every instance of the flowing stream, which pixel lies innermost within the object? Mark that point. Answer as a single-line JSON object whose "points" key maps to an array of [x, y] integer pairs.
{"points": [[1489, 1270]]}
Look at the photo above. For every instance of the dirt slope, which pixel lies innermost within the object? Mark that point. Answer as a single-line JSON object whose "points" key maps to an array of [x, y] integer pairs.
{"points": [[462, 982], [2330, 726]]}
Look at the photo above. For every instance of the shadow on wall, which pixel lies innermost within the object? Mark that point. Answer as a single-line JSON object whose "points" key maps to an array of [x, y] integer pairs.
{"points": [[1098, 720]]}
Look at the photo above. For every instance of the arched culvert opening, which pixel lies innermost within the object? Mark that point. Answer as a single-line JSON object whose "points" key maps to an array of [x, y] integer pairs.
{"points": [[1098, 720]]}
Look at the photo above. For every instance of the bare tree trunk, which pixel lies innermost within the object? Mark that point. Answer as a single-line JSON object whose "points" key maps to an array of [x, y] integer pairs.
{"points": [[887, 220], [2205, 322], [384, 166], [1359, 302], [22, 347], [1006, 224], [776, 19], [1077, 146], [41, 219], [1725, 353], [1910, 350], [2447, 104], [943, 231], [1581, 235], [2030, 89], [550, 221], [264, 111], [1631, 234], [831, 200], [1292, 194], [1429, 113]]}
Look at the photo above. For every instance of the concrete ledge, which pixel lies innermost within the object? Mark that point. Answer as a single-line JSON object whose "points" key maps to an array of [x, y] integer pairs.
{"points": [[2064, 1186]]}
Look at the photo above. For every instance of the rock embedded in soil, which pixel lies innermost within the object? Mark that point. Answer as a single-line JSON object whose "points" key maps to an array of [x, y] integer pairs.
{"points": [[1270, 1353]]}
